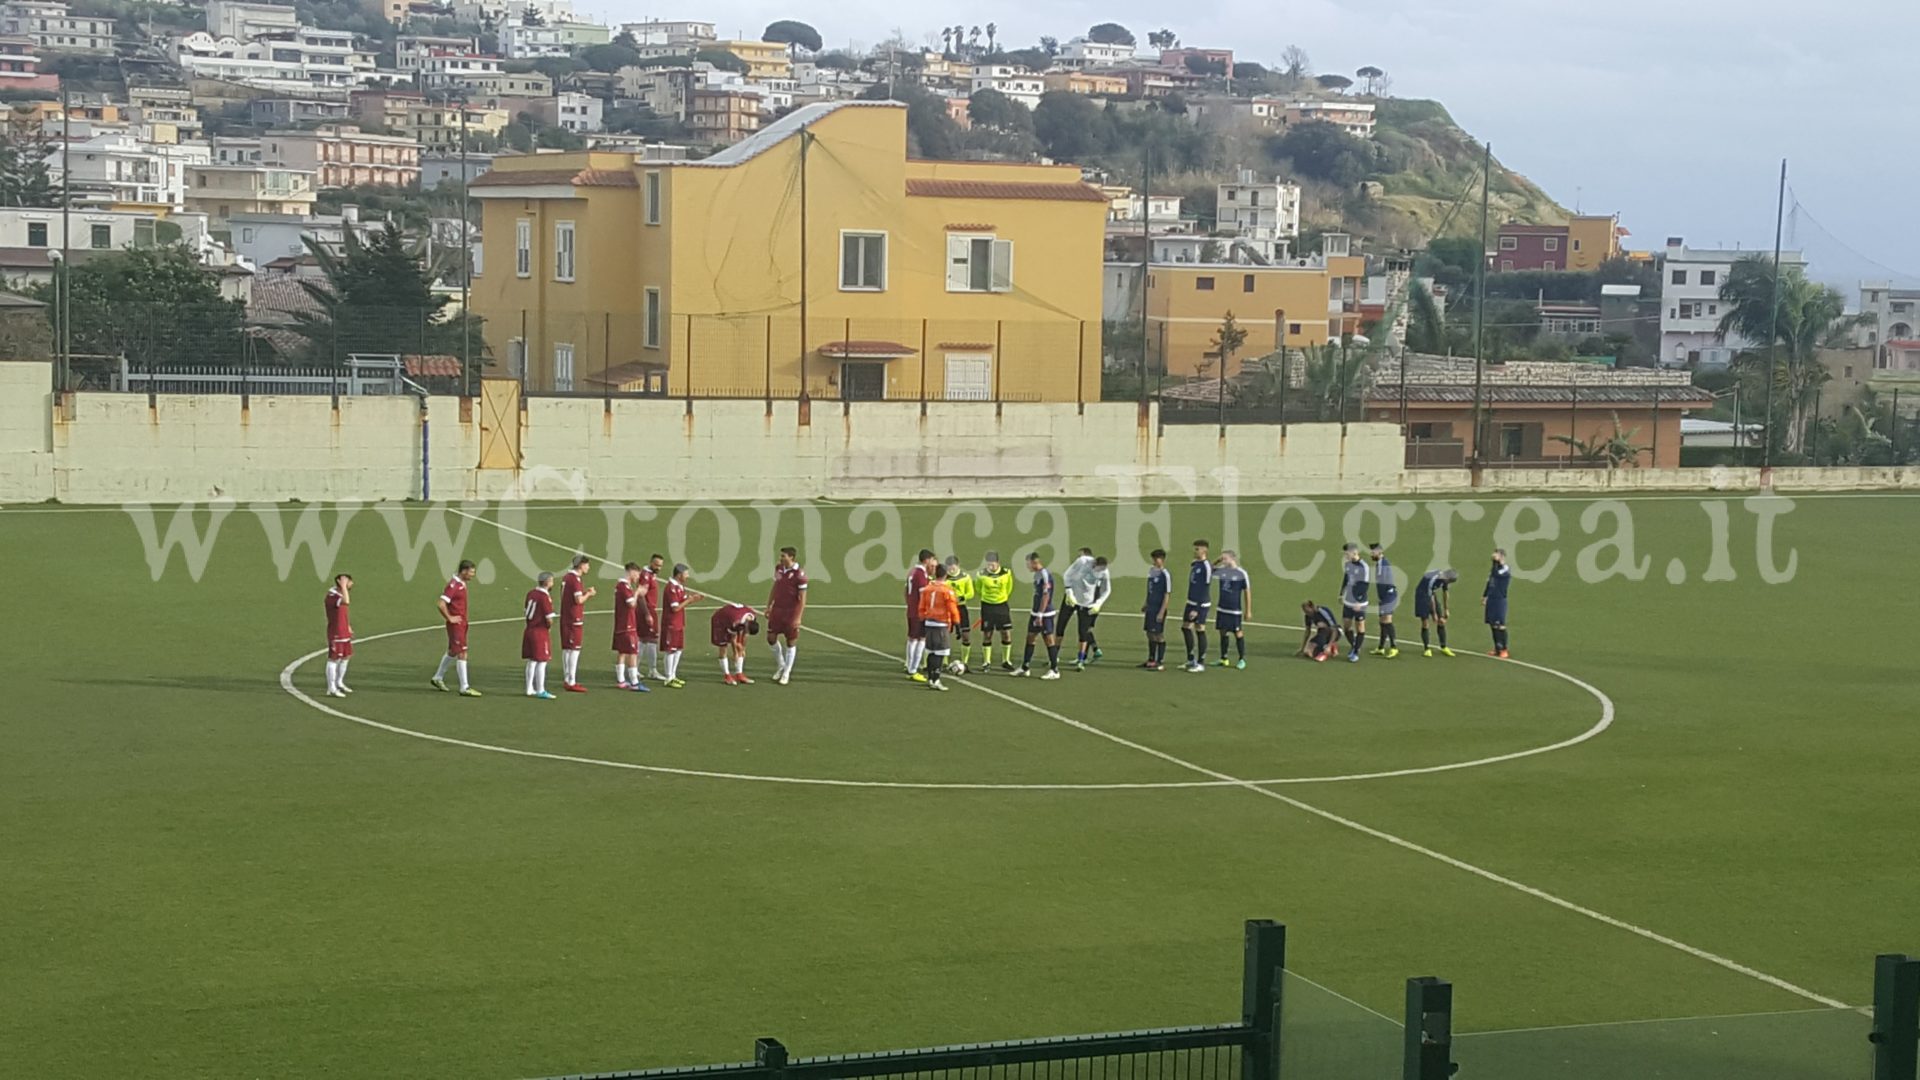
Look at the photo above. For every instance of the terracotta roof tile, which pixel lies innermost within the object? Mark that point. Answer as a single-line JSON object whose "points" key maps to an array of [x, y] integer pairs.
{"points": [[441, 366], [1003, 189], [870, 350], [606, 178]]}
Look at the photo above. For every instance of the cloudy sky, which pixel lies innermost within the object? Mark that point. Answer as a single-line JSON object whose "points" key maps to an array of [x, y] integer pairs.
{"points": [[1676, 113]]}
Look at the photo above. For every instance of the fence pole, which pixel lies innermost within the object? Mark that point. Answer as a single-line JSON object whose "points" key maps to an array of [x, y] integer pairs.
{"points": [[846, 339], [923, 367], [1656, 426], [606, 358], [769, 1053], [1080, 370], [526, 354], [1895, 433], [1260, 987], [999, 327], [1343, 387], [1403, 391], [1286, 376], [1429, 1030], [689, 365], [1896, 1017], [769, 362], [1813, 431], [1573, 414]]}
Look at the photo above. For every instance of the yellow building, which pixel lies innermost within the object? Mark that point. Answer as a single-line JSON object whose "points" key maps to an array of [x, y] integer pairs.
{"points": [[954, 280], [1594, 238], [765, 59], [1305, 302], [1085, 82]]}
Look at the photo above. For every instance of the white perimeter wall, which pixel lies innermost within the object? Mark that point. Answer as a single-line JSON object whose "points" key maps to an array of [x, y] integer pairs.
{"points": [[113, 448]]}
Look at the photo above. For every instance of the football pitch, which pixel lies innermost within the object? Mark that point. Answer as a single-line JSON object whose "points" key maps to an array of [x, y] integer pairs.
{"points": [[1673, 829]]}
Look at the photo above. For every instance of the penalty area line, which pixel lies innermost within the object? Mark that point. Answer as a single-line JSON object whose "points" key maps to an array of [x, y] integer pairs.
{"points": [[1326, 815]]}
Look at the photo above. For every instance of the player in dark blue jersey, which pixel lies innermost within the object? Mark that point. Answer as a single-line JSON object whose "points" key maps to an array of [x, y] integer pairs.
{"points": [[1356, 592], [1235, 607], [1386, 591], [1042, 619], [1193, 618], [1430, 607], [1159, 598], [1321, 626], [1494, 599]]}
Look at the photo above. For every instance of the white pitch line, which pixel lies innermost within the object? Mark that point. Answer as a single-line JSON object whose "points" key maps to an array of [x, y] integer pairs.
{"points": [[1648, 1020], [1346, 822]]}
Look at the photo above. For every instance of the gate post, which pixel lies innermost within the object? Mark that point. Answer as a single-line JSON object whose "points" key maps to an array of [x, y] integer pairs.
{"points": [[1260, 997], [1429, 1030], [1896, 1017]]}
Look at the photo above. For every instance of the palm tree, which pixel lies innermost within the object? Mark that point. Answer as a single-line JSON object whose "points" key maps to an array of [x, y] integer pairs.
{"points": [[992, 30], [1807, 312], [946, 39], [1333, 375], [1612, 450], [973, 40]]}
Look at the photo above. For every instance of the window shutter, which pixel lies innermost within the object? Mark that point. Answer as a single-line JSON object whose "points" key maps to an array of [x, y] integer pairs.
{"points": [[957, 270], [1002, 266]]}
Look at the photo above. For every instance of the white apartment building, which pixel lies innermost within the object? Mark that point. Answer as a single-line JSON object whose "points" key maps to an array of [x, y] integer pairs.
{"points": [[51, 28], [236, 150], [303, 59], [1690, 307], [411, 50], [221, 191], [246, 21], [1083, 53], [341, 155], [112, 165], [681, 36], [1124, 205], [498, 13], [1895, 313], [522, 42], [1265, 213], [262, 238], [485, 86], [456, 70], [1017, 83], [576, 112], [1353, 117]]}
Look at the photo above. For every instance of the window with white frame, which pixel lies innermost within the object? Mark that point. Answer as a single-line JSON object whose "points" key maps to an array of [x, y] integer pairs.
{"points": [[1509, 243], [563, 251], [650, 320], [563, 368], [863, 261], [523, 247], [969, 377], [653, 198], [979, 264], [1550, 243]]}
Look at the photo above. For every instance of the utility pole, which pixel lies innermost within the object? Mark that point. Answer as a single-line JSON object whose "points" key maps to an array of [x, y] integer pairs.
{"points": [[64, 289], [806, 140], [1480, 307], [466, 262], [1773, 333], [1146, 259]]}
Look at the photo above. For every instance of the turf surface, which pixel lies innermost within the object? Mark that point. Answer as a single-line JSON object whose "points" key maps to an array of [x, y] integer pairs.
{"points": [[206, 876]]}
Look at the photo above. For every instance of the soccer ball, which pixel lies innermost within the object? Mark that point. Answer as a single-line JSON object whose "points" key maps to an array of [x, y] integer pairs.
{"points": [[956, 668]]}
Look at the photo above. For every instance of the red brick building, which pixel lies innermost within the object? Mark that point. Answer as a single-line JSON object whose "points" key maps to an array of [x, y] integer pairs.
{"points": [[1530, 247]]}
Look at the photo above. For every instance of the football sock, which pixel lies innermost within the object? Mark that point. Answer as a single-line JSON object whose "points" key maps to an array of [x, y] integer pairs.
{"points": [[673, 664], [1442, 631], [1240, 643], [779, 658], [966, 652], [540, 676], [333, 675], [1426, 638], [441, 671], [793, 651], [933, 667], [343, 674], [530, 690], [1187, 633], [1359, 641], [726, 666], [1053, 657], [1027, 660], [1223, 645], [1391, 636], [461, 667], [1200, 652], [620, 673]]}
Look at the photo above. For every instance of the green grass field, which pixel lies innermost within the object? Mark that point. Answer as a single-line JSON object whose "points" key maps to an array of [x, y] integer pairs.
{"points": [[205, 875]]}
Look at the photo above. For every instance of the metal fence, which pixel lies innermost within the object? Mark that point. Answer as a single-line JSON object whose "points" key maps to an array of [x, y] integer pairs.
{"points": [[1292, 1028]]}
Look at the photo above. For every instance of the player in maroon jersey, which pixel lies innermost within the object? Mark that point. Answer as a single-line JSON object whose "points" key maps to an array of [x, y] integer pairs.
{"points": [[674, 602], [536, 641], [626, 631], [453, 612], [339, 636], [733, 624], [648, 621], [574, 594], [786, 604], [917, 579]]}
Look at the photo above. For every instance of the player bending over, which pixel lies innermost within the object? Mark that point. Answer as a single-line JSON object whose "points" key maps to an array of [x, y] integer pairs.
{"points": [[1430, 607], [1318, 643], [1041, 620], [574, 594], [995, 586], [1355, 585], [674, 602], [731, 626], [1388, 594], [339, 636], [1494, 599], [1193, 619], [962, 584], [939, 613], [626, 630], [1159, 595], [453, 612], [786, 606], [1088, 586], [536, 641], [1236, 606]]}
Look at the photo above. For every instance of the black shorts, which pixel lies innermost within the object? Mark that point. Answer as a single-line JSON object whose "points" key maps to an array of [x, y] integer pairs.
{"points": [[1084, 619], [995, 617], [1156, 624], [965, 623], [1042, 624]]}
